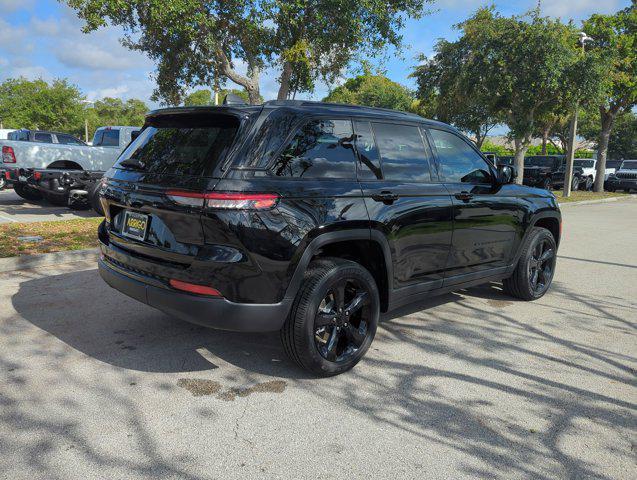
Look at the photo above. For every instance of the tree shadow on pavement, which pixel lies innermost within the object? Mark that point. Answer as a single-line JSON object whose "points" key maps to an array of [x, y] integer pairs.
{"points": [[517, 398]]}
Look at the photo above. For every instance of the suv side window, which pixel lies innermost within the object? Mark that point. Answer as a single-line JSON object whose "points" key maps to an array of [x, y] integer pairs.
{"points": [[403, 153], [368, 156], [321, 148], [43, 137], [458, 161]]}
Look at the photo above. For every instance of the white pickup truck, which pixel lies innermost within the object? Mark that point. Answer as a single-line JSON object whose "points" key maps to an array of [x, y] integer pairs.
{"points": [[38, 169]]}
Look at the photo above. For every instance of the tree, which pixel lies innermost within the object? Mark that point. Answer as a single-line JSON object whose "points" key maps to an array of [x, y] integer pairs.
{"points": [[199, 97], [372, 91], [622, 143], [524, 68], [468, 103], [114, 111], [206, 42], [615, 37], [36, 104]]}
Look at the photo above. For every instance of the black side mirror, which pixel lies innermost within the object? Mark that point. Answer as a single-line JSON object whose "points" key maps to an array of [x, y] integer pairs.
{"points": [[506, 174]]}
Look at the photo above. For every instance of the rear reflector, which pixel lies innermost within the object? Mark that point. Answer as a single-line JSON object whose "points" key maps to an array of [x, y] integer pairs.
{"points": [[8, 156], [225, 200], [193, 288]]}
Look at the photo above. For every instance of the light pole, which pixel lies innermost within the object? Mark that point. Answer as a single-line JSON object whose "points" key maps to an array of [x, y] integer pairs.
{"points": [[572, 131], [87, 103]]}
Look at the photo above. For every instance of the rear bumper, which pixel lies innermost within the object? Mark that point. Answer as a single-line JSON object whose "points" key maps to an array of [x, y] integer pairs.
{"points": [[621, 183], [210, 312]]}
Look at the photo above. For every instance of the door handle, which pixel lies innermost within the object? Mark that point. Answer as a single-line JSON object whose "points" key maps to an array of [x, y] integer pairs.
{"points": [[464, 196], [385, 197]]}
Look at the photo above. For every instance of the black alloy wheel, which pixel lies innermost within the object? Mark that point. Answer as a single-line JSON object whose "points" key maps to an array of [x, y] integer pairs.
{"points": [[334, 317], [541, 266], [574, 184], [547, 184], [535, 269], [342, 321]]}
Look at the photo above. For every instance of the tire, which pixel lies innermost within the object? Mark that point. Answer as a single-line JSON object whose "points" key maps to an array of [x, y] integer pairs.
{"points": [[589, 184], [574, 184], [26, 192], [94, 200], [3, 182], [547, 184], [315, 331], [57, 200], [521, 284]]}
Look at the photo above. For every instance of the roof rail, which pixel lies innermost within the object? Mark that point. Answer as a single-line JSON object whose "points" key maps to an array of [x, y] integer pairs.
{"points": [[302, 103]]}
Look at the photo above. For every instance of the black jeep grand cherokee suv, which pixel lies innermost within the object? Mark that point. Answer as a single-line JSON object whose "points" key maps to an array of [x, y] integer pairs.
{"points": [[313, 218]]}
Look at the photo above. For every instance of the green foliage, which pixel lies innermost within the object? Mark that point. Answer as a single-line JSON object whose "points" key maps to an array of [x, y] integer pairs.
{"points": [[199, 97], [615, 38], [499, 150], [373, 91], [550, 150], [36, 104], [114, 111], [200, 42], [623, 138]]}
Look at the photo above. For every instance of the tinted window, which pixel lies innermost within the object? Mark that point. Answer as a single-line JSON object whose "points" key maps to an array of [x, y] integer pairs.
{"points": [[403, 152], [181, 145], [19, 136], [584, 163], [369, 158], [43, 137], [270, 137], [613, 163], [106, 138], [320, 149], [68, 140], [458, 161]]}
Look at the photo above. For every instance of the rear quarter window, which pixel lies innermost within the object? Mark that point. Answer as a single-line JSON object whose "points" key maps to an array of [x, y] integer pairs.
{"points": [[320, 149]]}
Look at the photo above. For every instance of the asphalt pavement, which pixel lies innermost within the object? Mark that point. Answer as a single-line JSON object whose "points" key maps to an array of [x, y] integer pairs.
{"points": [[14, 209], [469, 385]]}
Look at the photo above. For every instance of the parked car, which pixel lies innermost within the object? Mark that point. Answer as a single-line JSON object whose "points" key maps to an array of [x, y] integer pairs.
{"points": [[625, 178], [548, 172], [312, 219], [62, 173], [44, 136]]}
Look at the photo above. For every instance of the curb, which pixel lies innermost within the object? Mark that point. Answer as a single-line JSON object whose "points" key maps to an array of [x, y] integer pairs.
{"points": [[601, 200], [26, 262]]}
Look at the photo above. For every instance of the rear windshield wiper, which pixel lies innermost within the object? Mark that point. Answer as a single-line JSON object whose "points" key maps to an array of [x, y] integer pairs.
{"points": [[133, 164]]}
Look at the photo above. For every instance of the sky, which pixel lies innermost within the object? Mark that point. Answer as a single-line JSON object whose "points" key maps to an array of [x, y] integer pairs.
{"points": [[43, 39]]}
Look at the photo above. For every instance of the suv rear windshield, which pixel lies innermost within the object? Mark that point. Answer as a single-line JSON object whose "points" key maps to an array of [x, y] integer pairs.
{"points": [[181, 145], [106, 138], [539, 161]]}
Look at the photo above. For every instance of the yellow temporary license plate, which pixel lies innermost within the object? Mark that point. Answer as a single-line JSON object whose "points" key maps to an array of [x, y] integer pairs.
{"points": [[135, 225]]}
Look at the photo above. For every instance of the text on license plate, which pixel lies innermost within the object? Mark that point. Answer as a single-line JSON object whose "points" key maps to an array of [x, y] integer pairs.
{"points": [[135, 225]]}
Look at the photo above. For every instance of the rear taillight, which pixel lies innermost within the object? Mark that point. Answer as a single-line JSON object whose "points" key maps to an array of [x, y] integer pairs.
{"points": [[37, 176], [194, 288], [225, 200], [8, 155], [7, 175]]}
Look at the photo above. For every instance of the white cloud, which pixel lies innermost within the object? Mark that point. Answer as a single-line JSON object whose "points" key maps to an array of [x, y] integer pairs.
{"points": [[579, 8], [91, 56], [10, 6]]}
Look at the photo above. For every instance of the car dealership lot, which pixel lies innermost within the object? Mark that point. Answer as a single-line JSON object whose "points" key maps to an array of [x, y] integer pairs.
{"points": [[14, 209], [467, 385]]}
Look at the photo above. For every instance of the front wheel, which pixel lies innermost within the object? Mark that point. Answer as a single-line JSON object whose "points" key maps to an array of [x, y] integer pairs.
{"points": [[547, 184], [334, 317], [574, 184], [533, 274], [588, 186]]}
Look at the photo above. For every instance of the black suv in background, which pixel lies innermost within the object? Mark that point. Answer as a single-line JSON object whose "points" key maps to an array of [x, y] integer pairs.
{"points": [[312, 219], [44, 136], [548, 172]]}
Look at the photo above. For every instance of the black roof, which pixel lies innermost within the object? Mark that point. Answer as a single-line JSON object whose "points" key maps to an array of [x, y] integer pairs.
{"points": [[303, 106]]}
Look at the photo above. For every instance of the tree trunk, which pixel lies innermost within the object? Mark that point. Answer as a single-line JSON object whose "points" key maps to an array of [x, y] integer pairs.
{"points": [[521, 146], [284, 81], [250, 82], [545, 139], [608, 117]]}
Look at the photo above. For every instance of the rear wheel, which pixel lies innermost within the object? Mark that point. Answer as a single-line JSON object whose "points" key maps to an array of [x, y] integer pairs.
{"points": [[533, 274], [27, 192], [588, 186], [94, 199], [334, 317]]}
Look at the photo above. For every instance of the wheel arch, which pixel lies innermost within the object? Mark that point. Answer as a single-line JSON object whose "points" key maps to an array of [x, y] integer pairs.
{"points": [[65, 165], [369, 248]]}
